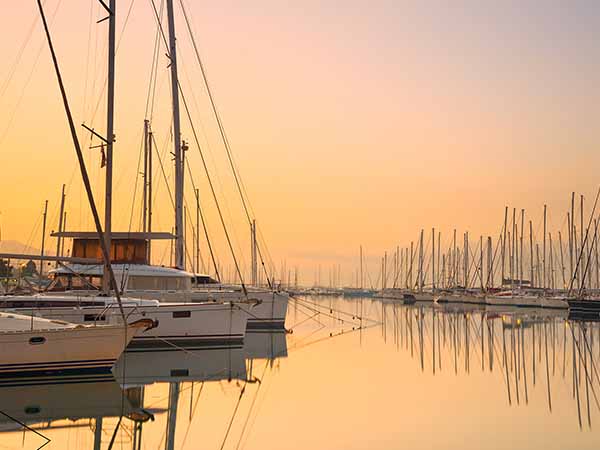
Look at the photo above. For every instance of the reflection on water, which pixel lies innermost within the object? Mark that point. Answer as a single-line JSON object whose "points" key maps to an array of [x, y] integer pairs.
{"points": [[353, 373]]}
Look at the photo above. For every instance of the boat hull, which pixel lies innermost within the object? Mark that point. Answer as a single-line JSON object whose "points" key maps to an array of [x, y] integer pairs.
{"points": [[209, 325], [58, 352]]}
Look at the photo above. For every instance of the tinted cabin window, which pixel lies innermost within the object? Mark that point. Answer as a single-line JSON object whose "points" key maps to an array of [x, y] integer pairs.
{"points": [[181, 314], [37, 340], [121, 250], [93, 317]]}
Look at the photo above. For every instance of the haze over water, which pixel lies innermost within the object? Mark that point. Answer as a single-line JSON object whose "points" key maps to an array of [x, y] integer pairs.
{"points": [[413, 377]]}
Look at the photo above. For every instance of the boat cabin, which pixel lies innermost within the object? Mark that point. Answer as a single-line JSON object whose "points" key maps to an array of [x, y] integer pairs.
{"points": [[129, 255]]}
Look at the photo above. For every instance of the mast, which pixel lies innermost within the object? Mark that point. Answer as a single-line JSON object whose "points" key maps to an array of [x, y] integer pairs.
{"points": [[149, 176], [582, 253], [412, 255], [454, 260], [43, 241], [504, 246], [466, 259], [60, 221], [531, 251], [178, 153], [198, 231], [361, 267], [62, 241], [433, 260], [254, 262], [562, 261], [544, 276], [421, 262], [110, 136], [145, 177], [481, 262], [521, 250]]}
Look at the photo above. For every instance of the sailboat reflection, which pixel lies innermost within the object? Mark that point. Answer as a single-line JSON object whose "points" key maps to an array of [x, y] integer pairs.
{"points": [[531, 348], [180, 365], [265, 345], [65, 402], [139, 369]]}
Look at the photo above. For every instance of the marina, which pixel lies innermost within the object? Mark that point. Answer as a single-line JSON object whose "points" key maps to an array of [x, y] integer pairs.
{"points": [[266, 225]]}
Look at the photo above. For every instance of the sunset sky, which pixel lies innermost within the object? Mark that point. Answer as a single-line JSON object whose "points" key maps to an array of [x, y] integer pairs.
{"points": [[351, 122]]}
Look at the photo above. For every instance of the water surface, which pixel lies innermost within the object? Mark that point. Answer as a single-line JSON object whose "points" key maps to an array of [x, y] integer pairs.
{"points": [[352, 374]]}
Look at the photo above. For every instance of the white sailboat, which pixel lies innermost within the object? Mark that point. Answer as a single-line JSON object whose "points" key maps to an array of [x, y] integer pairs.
{"points": [[33, 346], [129, 251], [195, 325]]}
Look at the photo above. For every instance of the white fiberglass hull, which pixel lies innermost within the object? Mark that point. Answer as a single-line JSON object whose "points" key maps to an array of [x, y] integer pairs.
{"points": [[68, 351], [462, 298], [554, 303], [423, 296], [266, 310], [526, 301], [212, 325]]}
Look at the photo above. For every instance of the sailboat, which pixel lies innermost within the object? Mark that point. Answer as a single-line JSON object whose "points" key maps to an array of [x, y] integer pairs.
{"points": [[98, 256], [264, 309], [33, 347]]}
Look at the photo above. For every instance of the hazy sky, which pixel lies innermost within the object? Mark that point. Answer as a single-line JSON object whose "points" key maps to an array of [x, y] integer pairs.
{"points": [[352, 122]]}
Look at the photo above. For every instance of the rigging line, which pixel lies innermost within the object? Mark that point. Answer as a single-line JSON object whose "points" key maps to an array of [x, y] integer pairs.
{"points": [[33, 430], [589, 258], [204, 227], [575, 271], [233, 415], [84, 174], [234, 170], [208, 150], [153, 71], [87, 60], [17, 60], [27, 81], [204, 163], [252, 404], [193, 413], [163, 171], [235, 260]]}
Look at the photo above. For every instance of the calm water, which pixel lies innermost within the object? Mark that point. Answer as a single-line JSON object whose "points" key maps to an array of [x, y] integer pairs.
{"points": [[410, 377]]}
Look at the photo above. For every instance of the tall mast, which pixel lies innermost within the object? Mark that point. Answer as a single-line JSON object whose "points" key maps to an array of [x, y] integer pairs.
{"points": [[544, 276], [60, 221], [421, 282], [145, 176], [521, 249], [110, 116], [149, 179], [433, 260], [176, 140], [504, 246], [43, 241], [361, 267]]}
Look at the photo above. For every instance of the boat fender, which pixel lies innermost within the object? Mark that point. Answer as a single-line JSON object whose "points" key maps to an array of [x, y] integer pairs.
{"points": [[146, 324]]}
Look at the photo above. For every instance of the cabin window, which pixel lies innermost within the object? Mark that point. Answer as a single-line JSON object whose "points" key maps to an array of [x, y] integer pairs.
{"points": [[181, 314], [149, 283], [37, 340], [93, 317], [32, 410], [180, 373]]}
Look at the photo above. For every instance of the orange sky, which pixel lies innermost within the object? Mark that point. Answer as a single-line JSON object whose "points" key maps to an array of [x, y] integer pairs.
{"points": [[351, 125]]}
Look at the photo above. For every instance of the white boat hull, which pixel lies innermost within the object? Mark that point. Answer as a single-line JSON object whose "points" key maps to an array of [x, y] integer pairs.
{"points": [[73, 351], [520, 301], [213, 325]]}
